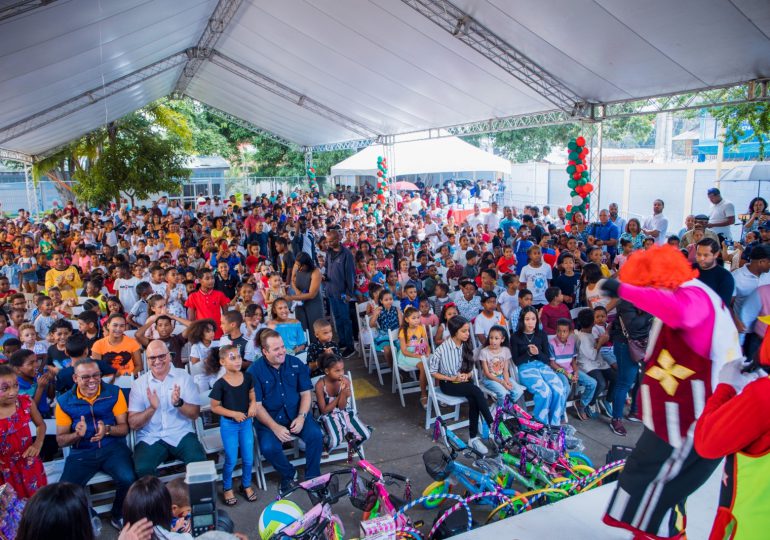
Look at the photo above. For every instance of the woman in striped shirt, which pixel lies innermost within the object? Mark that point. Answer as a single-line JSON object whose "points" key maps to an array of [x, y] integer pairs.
{"points": [[452, 365]]}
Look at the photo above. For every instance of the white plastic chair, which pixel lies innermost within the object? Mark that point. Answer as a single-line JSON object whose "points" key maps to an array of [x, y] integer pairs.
{"points": [[374, 363], [403, 387], [436, 397], [365, 339]]}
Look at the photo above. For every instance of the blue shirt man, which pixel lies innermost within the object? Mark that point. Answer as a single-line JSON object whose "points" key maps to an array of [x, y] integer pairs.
{"points": [[605, 233], [283, 393], [509, 222]]}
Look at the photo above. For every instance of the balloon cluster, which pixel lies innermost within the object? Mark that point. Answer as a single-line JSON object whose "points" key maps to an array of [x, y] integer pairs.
{"points": [[579, 179], [311, 177], [382, 179]]}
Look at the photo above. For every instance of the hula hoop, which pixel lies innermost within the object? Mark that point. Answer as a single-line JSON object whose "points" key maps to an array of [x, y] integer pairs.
{"points": [[460, 501], [524, 496], [598, 480], [432, 489], [408, 532], [579, 456], [475, 496]]}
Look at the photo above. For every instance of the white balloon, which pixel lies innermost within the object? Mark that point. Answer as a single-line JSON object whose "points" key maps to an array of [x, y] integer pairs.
{"points": [[577, 200]]}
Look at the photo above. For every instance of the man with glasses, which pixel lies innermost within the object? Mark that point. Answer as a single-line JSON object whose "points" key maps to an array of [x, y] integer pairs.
{"points": [[91, 419], [162, 407]]}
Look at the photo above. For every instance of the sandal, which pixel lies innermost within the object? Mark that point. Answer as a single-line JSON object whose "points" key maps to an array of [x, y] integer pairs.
{"points": [[229, 501], [251, 497]]}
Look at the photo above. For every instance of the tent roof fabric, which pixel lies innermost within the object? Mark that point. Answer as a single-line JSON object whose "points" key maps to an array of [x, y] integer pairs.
{"points": [[448, 154], [379, 63]]}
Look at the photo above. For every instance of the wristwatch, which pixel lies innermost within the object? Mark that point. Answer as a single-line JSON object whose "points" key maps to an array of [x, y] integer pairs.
{"points": [[303, 415], [179, 403]]}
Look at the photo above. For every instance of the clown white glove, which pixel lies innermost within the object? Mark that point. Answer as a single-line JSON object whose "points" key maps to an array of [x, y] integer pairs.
{"points": [[731, 374]]}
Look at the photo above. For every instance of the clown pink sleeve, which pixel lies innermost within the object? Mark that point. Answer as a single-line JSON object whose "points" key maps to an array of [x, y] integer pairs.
{"points": [[685, 307]]}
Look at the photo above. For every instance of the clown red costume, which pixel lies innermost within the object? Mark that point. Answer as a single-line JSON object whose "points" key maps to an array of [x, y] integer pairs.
{"points": [[692, 337], [735, 424]]}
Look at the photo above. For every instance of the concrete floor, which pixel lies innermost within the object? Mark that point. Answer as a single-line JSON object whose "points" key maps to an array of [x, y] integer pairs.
{"points": [[397, 445]]}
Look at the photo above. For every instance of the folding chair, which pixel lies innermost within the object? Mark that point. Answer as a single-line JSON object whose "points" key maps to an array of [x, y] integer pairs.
{"points": [[436, 397], [374, 363], [365, 339], [403, 387]]}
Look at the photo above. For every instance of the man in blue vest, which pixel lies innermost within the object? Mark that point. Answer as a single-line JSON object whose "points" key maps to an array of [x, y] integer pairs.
{"points": [[91, 418]]}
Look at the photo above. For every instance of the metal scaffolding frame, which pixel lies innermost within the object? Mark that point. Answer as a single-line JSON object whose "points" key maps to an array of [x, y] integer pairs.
{"points": [[221, 16], [89, 97], [301, 100], [252, 127], [19, 7], [346, 145], [481, 39], [12, 155]]}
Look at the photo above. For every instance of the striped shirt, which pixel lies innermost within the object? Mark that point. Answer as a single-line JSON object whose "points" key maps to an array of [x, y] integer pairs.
{"points": [[447, 359]]}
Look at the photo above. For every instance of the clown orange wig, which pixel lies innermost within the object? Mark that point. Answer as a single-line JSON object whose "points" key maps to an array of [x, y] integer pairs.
{"points": [[663, 267]]}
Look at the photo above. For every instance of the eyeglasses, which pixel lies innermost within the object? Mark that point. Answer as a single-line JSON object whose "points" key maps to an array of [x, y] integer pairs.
{"points": [[92, 376], [157, 358]]}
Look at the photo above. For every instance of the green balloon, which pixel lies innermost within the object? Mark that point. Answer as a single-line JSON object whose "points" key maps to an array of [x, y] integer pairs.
{"points": [[582, 182], [379, 192], [573, 193], [574, 156], [578, 161], [584, 174], [572, 184], [572, 145], [571, 170], [379, 159]]}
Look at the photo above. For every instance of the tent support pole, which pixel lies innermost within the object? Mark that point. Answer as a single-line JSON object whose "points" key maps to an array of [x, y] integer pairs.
{"points": [[308, 162], [595, 140]]}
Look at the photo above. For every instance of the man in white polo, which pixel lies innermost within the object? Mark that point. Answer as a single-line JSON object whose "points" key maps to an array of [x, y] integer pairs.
{"points": [[162, 406], [722, 215], [656, 225]]}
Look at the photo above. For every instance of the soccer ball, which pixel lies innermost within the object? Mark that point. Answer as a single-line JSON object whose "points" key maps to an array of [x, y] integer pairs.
{"points": [[276, 516]]}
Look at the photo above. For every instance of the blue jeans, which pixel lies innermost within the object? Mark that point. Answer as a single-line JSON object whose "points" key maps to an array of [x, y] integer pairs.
{"points": [[114, 460], [237, 435], [627, 372], [341, 314], [588, 384], [500, 391], [544, 384], [272, 449]]}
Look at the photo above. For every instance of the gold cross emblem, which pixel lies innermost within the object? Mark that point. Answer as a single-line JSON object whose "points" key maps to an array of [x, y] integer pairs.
{"points": [[668, 372]]}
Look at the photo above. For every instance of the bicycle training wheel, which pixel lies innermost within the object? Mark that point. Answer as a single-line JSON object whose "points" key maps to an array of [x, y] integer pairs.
{"points": [[436, 488]]}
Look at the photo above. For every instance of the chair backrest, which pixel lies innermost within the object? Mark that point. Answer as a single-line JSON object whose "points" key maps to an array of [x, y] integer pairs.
{"points": [[353, 404], [393, 337], [124, 381], [429, 330]]}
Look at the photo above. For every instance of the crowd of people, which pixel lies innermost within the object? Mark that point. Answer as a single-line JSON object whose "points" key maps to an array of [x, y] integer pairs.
{"points": [[236, 305]]}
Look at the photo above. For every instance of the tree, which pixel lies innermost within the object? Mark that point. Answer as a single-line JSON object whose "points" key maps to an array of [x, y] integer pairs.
{"points": [[138, 155], [737, 118]]}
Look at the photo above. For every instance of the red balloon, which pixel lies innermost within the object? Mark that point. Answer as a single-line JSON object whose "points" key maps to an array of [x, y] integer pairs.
{"points": [[576, 176], [569, 208], [379, 173], [588, 188], [585, 151], [580, 168], [568, 227], [580, 141]]}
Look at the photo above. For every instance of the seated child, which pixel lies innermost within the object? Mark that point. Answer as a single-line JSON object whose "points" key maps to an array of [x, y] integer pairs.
{"points": [[427, 319], [593, 364], [180, 506], [495, 361], [563, 347], [323, 346], [333, 394]]}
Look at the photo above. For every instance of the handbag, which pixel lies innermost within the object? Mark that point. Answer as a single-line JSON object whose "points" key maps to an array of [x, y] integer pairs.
{"points": [[338, 423], [637, 348]]}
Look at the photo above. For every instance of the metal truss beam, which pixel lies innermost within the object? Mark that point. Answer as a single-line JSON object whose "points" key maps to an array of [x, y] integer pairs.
{"points": [[481, 39], [81, 101], [754, 91], [271, 85], [12, 155], [20, 7], [345, 145], [252, 127], [222, 15]]}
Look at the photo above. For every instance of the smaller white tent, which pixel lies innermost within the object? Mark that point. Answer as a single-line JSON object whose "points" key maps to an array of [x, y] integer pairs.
{"points": [[448, 154]]}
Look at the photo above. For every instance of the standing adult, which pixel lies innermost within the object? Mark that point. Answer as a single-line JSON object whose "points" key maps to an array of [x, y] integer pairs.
{"points": [[722, 215], [91, 420], [303, 240], [306, 283], [283, 392], [656, 225], [509, 224], [710, 272], [493, 218], [340, 289], [615, 218], [285, 262], [746, 281], [630, 329], [605, 234], [64, 276], [162, 406]]}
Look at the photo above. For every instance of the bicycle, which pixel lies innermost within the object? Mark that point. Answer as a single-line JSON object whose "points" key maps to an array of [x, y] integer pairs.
{"points": [[446, 470], [369, 487], [320, 522]]}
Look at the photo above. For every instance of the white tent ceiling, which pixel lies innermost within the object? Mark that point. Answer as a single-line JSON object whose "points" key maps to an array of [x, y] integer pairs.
{"points": [[448, 154], [372, 67]]}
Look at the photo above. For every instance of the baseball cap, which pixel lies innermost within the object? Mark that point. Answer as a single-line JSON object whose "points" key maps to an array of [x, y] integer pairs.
{"points": [[701, 217], [713, 191], [764, 226]]}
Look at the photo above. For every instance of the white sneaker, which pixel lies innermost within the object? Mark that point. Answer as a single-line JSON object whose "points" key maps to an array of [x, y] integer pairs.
{"points": [[478, 446]]}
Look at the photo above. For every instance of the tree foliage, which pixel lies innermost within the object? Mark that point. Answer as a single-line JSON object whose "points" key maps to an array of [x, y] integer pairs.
{"points": [[736, 118], [138, 155]]}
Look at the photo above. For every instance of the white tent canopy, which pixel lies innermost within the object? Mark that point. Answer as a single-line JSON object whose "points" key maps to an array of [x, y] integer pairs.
{"points": [[423, 157], [319, 71]]}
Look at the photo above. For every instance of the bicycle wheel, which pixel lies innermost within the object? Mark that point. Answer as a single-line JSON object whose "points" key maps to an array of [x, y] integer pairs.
{"points": [[578, 458], [581, 471], [436, 488], [516, 504]]}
